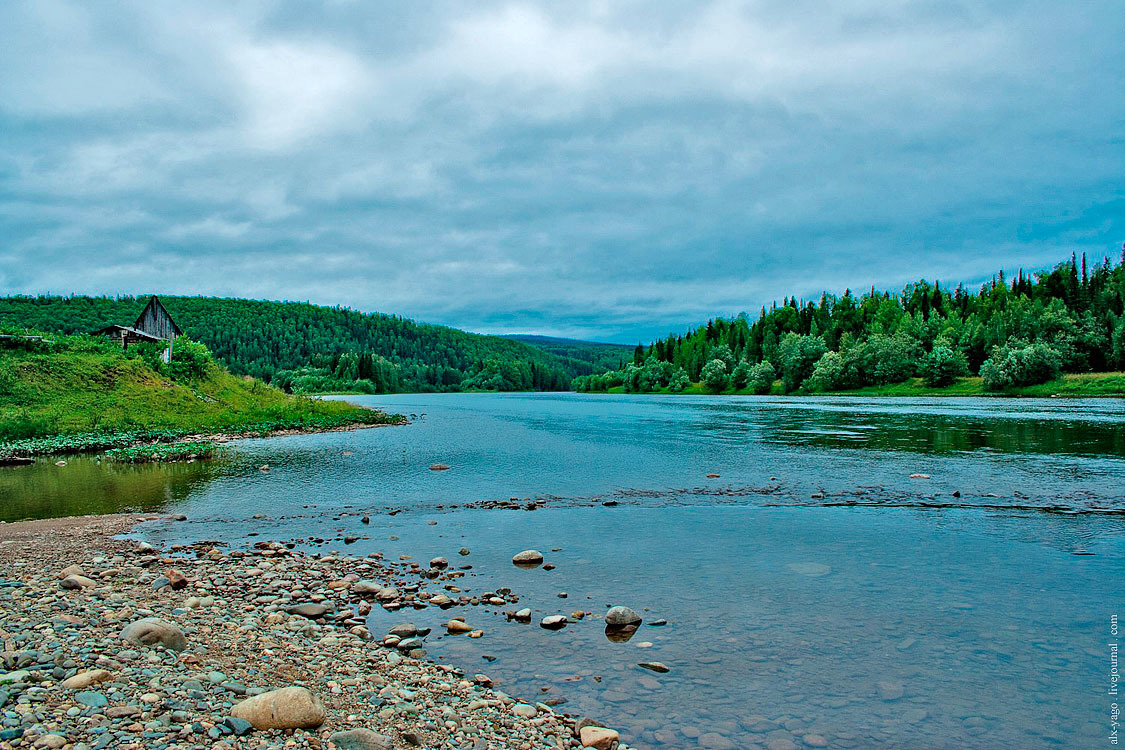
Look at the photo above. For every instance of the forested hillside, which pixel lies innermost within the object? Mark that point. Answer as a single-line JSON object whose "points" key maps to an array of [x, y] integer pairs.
{"points": [[1013, 332], [600, 356], [308, 348]]}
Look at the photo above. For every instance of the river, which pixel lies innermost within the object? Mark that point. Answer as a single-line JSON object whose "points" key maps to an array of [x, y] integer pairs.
{"points": [[860, 572]]}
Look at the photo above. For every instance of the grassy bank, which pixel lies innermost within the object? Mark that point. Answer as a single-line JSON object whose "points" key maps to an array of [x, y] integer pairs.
{"points": [[78, 393], [1082, 385]]}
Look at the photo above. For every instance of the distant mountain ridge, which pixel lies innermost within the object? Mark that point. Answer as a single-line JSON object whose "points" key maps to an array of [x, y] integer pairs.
{"points": [[305, 347], [600, 355]]}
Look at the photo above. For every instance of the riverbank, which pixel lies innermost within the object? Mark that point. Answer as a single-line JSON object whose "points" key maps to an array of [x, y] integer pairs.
{"points": [[1074, 385], [79, 394], [233, 624]]}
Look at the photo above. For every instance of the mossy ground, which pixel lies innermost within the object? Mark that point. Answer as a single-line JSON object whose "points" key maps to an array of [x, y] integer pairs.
{"points": [[78, 393]]}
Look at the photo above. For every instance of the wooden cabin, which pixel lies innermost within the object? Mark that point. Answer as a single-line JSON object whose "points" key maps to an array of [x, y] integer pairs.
{"points": [[153, 325]]}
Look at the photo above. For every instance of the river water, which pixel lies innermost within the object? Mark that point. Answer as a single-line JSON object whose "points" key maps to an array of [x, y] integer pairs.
{"points": [[861, 573]]}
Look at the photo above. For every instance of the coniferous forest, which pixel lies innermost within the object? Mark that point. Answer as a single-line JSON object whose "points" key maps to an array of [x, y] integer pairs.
{"points": [[308, 348], [1012, 332]]}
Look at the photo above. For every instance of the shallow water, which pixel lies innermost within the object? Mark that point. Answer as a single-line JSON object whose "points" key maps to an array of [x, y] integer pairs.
{"points": [[785, 616]]}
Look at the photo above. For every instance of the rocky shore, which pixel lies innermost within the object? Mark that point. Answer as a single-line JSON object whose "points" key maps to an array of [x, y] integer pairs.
{"points": [[111, 643]]}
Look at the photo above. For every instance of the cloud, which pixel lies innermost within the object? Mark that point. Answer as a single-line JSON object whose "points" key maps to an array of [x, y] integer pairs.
{"points": [[617, 170]]}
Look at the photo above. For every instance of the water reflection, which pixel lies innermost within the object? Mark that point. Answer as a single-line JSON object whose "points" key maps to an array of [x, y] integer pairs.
{"points": [[87, 485]]}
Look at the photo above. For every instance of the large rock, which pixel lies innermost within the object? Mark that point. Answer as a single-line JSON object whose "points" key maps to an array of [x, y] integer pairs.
{"points": [[284, 708], [553, 622], [75, 582], [310, 611], [599, 737], [459, 626], [622, 617], [361, 739], [153, 631], [71, 570], [86, 679], [528, 557]]}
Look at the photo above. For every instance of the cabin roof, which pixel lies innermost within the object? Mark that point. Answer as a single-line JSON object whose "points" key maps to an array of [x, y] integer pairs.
{"points": [[126, 329], [158, 308]]}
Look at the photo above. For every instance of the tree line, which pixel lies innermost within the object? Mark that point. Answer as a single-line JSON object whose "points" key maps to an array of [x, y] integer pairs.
{"points": [[309, 348], [1011, 332]]}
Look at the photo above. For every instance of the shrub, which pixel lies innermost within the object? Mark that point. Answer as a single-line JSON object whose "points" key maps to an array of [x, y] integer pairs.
{"points": [[715, 375], [190, 360], [679, 381], [762, 376], [943, 366], [828, 375], [1019, 364]]}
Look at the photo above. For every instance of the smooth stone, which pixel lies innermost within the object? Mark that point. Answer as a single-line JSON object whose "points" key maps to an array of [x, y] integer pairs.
{"points": [[620, 617], [890, 690], [309, 611], [715, 741], [74, 582], [524, 710], [553, 622], [284, 708], [239, 727], [71, 570], [811, 569], [404, 630], [152, 631], [86, 679], [92, 698], [459, 626], [655, 666], [361, 739], [601, 738], [528, 557]]}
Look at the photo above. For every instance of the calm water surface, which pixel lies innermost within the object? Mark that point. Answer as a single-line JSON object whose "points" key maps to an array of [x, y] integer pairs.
{"points": [[813, 589]]}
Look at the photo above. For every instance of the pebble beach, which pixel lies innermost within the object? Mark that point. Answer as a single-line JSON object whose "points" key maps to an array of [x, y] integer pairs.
{"points": [[108, 642]]}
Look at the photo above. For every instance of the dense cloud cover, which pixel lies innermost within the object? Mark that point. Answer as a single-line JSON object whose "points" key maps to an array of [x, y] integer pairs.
{"points": [[609, 170]]}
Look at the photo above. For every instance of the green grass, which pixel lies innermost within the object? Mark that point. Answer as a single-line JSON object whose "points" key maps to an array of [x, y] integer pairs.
{"points": [[80, 394], [1078, 385]]}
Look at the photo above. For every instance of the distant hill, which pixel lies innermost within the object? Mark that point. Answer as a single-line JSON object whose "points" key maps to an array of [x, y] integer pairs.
{"points": [[304, 347], [601, 356]]}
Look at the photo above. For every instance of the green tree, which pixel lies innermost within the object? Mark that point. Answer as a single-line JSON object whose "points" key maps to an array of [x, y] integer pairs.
{"points": [[740, 376], [715, 375], [762, 376], [799, 355], [943, 366]]}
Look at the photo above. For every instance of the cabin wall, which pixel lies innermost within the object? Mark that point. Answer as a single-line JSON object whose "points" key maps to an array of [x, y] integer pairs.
{"points": [[155, 322]]}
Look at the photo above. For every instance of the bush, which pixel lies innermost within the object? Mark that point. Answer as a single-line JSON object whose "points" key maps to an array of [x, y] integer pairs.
{"points": [[715, 375], [943, 366], [762, 376], [679, 381], [1019, 364], [190, 360], [828, 375]]}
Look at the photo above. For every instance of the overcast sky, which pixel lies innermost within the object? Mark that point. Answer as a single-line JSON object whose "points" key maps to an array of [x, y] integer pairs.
{"points": [[608, 170]]}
